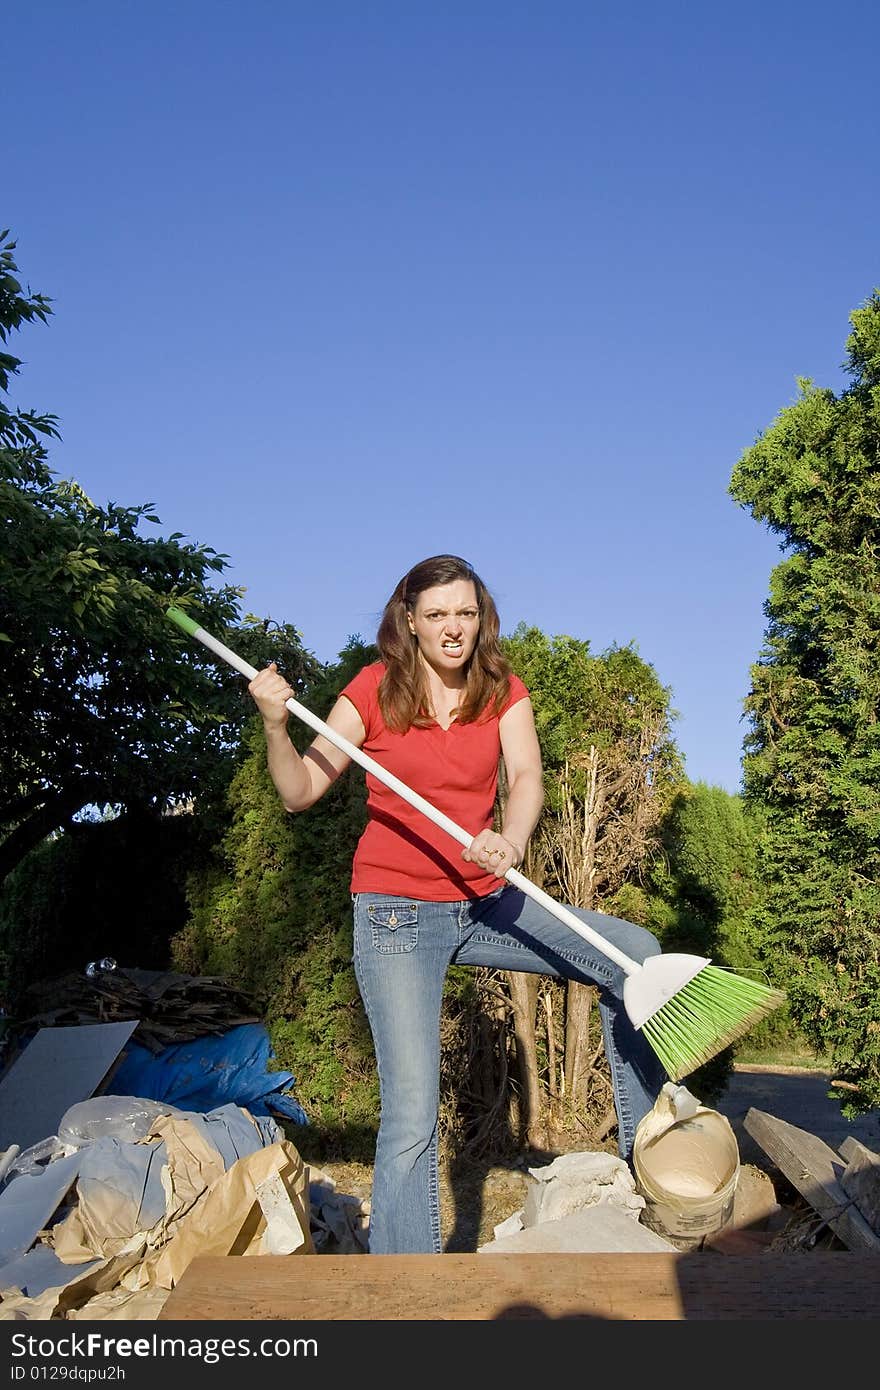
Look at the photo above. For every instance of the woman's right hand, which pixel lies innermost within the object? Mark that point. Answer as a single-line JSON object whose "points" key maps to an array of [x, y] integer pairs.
{"points": [[271, 692]]}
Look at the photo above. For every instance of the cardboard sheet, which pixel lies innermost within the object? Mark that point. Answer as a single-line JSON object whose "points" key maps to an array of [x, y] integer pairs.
{"points": [[29, 1202], [59, 1067]]}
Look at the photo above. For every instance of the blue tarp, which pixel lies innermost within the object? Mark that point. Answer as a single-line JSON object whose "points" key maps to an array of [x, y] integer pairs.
{"points": [[209, 1072]]}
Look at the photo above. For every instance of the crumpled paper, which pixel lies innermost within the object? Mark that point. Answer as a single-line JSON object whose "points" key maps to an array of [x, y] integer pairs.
{"points": [[259, 1205], [242, 1213], [571, 1183], [339, 1223], [577, 1180]]}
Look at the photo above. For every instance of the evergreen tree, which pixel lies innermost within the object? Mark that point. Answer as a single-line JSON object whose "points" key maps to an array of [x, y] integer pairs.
{"points": [[813, 749], [273, 914]]}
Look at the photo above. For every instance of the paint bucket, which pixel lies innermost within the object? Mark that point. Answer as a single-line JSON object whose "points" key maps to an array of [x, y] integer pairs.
{"points": [[686, 1166]]}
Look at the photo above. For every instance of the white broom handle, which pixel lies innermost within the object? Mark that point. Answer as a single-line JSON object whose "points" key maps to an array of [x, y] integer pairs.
{"points": [[630, 967]]}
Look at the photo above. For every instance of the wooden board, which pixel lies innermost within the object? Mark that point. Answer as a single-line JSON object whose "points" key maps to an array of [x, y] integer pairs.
{"points": [[815, 1170], [860, 1179], [636, 1287]]}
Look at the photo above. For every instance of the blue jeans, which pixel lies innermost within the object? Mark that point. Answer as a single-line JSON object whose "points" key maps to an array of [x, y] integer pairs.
{"points": [[402, 949]]}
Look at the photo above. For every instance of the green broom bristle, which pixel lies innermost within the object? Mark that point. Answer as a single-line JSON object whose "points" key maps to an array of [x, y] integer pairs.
{"points": [[712, 1010]]}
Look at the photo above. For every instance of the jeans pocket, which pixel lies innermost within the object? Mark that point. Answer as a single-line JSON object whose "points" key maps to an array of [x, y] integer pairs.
{"points": [[394, 927]]}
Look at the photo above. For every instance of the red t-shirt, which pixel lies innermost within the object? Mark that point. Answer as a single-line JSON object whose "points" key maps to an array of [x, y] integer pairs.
{"points": [[401, 851]]}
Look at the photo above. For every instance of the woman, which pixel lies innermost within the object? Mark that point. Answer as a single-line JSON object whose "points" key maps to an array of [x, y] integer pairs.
{"points": [[438, 711]]}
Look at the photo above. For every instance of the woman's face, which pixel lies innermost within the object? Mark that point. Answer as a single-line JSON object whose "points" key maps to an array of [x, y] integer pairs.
{"points": [[446, 624]]}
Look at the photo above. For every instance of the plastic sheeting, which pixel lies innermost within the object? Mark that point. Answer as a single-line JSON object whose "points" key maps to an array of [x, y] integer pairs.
{"points": [[232, 1067], [120, 1182], [220, 1183]]}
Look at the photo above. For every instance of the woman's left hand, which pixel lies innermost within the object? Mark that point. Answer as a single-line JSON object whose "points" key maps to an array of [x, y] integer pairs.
{"points": [[492, 852]]}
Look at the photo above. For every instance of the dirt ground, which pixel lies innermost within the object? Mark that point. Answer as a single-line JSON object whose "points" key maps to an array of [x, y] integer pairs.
{"points": [[474, 1199], [477, 1198]]}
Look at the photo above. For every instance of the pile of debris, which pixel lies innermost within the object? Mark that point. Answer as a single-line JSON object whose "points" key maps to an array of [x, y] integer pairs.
{"points": [[169, 1007], [137, 1130], [806, 1196], [137, 1117], [132, 1191]]}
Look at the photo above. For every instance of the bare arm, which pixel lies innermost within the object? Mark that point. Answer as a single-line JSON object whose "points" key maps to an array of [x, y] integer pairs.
{"points": [[525, 782], [301, 781], [525, 793]]}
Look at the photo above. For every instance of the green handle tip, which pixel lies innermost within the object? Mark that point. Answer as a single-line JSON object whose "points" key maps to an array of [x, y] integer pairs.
{"points": [[183, 620]]}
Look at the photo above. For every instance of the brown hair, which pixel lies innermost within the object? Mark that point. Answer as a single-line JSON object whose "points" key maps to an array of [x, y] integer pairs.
{"points": [[403, 691]]}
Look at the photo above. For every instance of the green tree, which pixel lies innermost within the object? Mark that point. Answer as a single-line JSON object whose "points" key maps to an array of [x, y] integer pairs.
{"points": [[710, 842], [604, 723], [273, 914], [813, 747], [701, 894], [104, 703]]}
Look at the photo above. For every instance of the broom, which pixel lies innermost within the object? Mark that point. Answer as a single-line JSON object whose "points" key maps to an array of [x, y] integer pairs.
{"points": [[687, 1008]]}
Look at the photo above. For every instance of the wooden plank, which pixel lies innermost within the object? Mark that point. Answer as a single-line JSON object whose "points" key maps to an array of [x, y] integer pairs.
{"points": [[860, 1180], [814, 1169], [471, 1287], [850, 1147]]}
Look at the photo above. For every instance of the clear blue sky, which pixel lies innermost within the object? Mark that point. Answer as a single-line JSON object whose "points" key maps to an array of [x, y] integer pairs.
{"points": [[341, 285]]}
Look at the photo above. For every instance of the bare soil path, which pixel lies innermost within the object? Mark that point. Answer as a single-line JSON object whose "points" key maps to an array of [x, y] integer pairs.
{"points": [[799, 1097]]}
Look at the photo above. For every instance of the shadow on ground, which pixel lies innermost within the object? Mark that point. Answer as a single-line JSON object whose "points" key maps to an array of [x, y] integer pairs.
{"points": [[797, 1096]]}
